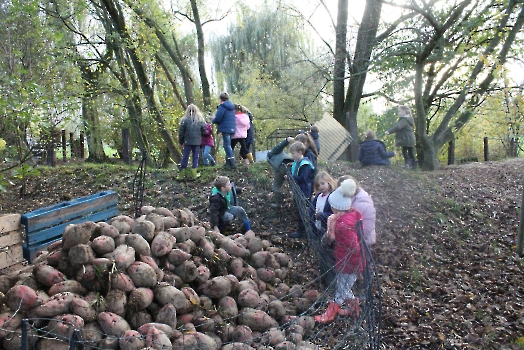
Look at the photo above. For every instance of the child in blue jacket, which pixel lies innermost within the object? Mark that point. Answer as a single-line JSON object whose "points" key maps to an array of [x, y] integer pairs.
{"points": [[302, 171]]}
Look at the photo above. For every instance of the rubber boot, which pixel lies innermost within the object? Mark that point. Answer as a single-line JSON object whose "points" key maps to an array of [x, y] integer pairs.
{"points": [[330, 314], [194, 173], [277, 198], [407, 163], [232, 163], [182, 174], [227, 163], [246, 161], [250, 157], [352, 308], [414, 164]]}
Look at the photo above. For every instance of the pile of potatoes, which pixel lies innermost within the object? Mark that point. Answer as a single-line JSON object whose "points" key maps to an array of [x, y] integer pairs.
{"points": [[162, 281]]}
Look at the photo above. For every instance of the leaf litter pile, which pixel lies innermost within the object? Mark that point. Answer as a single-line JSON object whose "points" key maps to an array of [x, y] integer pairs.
{"points": [[446, 249]]}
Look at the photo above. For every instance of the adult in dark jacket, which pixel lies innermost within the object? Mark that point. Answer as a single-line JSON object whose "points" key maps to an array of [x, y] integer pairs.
{"points": [[373, 151], [405, 135], [225, 120], [192, 127], [250, 140], [279, 160]]}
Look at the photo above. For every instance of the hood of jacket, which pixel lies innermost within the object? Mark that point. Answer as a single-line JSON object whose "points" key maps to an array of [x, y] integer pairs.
{"points": [[228, 105]]}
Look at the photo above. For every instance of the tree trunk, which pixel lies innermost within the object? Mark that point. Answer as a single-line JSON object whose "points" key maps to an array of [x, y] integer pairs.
{"points": [[94, 138], [339, 72], [201, 62], [366, 41], [120, 26]]}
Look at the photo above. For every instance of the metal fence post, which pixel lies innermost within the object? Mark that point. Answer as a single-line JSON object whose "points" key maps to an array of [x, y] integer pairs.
{"points": [[24, 334]]}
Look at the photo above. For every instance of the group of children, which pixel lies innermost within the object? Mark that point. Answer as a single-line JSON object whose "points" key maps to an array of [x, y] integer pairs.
{"points": [[335, 210]]}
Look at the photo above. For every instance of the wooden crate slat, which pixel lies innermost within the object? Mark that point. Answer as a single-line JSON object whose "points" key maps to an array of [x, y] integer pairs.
{"points": [[9, 222], [30, 253], [56, 231], [19, 267], [58, 213], [11, 255], [11, 238]]}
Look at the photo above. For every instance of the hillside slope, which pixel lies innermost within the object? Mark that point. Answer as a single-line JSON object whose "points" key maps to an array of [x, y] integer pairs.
{"points": [[446, 240]]}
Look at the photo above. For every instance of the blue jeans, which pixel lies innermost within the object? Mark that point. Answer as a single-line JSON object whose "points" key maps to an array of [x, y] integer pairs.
{"points": [[236, 212], [206, 156], [226, 140], [185, 156]]}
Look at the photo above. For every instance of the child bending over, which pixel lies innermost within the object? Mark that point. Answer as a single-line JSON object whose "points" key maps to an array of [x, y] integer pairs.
{"points": [[220, 209], [348, 259]]}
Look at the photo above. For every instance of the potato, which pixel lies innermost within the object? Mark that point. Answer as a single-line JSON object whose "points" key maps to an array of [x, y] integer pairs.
{"points": [[187, 271], [227, 308], [142, 274], [121, 281], [116, 302], [242, 334], [54, 257], [169, 222], [233, 248], [122, 223], [281, 291], [22, 298], [248, 298], [58, 304], [109, 342], [248, 284], [162, 244], [273, 337], [138, 318], [267, 275], [157, 339], [120, 239], [146, 209], [223, 255], [306, 322], [160, 326], [256, 320], [67, 286], [191, 295], [47, 275], [177, 256], [167, 294], [217, 287], [145, 229], [236, 267], [124, 256], [112, 324], [7, 282], [77, 234], [151, 262], [167, 315], [255, 245], [197, 233], [271, 262], [163, 211], [65, 325], [131, 340], [283, 259], [83, 309], [156, 220], [91, 335], [103, 245], [203, 274], [80, 254], [237, 346], [139, 243], [9, 322], [205, 341], [173, 279], [104, 229], [276, 309], [54, 246], [258, 260], [285, 345], [181, 234], [140, 298], [48, 343]]}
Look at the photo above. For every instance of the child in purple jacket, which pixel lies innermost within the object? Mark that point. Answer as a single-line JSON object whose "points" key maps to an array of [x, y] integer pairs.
{"points": [[207, 143]]}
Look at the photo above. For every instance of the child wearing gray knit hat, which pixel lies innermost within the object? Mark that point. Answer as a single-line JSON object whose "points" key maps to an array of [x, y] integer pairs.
{"points": [[348, 259]]}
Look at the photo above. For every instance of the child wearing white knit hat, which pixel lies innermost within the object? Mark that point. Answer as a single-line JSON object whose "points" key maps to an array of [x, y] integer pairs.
{"points": [[342, 230]]}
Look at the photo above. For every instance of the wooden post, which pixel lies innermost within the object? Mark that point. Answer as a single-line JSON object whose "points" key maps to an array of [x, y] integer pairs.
{"points": [[126, 145], [82, 150], [71, 140], [520, 240], [451, 151], [486, 152], [64, 145]]}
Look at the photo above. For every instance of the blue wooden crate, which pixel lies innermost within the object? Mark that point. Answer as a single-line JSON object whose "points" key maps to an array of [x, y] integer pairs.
{"points": [[46, 225]]}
